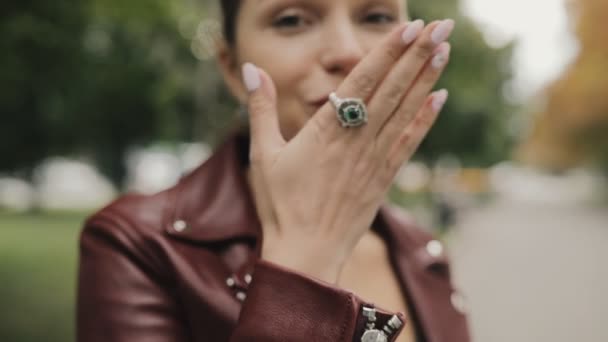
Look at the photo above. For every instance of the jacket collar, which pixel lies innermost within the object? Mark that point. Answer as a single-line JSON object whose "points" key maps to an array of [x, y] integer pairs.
{"points": [[213, 203]]}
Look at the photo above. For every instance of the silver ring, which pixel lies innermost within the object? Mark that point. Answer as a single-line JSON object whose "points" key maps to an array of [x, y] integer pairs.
{"points": [[351, 112]]}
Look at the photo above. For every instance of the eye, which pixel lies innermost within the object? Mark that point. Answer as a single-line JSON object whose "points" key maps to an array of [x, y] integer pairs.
{"points": [[379, 18], [289, 21]]}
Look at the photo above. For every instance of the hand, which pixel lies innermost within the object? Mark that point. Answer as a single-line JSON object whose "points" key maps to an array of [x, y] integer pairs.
{"points": [[323, 188]]}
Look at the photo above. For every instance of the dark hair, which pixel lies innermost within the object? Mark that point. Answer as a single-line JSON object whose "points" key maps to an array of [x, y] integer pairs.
{"points": [[230, 10]]}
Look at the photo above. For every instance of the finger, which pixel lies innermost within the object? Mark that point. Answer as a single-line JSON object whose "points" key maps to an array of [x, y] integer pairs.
{"points": [[412, 136], [262, 106], [415, 98], [365, 77], [405, 75]]}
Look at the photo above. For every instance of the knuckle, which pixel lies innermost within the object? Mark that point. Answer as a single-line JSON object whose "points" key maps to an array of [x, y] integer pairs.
{"points": [[394, 93], [393, 53], [393, 98], [405, 139], [258, 104], [405, 115], [424, 49], [363, 83]]}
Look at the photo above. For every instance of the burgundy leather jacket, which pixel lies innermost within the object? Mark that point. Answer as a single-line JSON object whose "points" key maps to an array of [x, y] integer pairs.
{"points": [[184, 265]]}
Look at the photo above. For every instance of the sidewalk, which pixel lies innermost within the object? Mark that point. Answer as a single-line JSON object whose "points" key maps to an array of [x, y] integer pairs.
{"points": [[534, 273]]}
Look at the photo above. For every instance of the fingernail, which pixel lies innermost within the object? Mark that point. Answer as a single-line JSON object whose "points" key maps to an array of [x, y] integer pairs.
{"points": [[251, 77], [442, 31], [439, 99], [412, 31], [442, 54]]}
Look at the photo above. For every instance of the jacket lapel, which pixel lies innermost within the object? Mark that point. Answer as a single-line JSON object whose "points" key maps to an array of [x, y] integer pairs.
{"points": [[424, 272]]}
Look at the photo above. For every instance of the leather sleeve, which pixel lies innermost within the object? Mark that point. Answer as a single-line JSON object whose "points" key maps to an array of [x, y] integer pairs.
{"points": [[282, 305], [119, 298], [123, 297]]}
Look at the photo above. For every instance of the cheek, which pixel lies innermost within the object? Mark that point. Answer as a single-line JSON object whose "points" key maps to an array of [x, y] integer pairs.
{"points": [[290, 64], [369, 39], [286, 62]]}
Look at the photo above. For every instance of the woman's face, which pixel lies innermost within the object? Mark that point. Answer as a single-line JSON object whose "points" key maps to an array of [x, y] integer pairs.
{"points": [[308, 47]]}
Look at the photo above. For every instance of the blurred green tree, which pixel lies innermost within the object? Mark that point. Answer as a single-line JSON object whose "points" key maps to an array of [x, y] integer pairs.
{"points": [[39, 66], [473, 124], [92, 77], [136, 85]]}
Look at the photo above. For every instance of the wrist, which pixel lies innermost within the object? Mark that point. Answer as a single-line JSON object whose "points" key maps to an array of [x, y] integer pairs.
{"points": [[312, 262]]}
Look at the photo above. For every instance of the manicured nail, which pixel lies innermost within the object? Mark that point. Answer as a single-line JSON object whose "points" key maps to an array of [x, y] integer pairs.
{"points": [[439, 99], [442, 31], [442, 54], [412, 31], [251, 77]]}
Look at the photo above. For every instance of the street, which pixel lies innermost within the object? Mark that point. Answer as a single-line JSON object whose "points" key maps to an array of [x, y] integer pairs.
{"points": [[533, 272]]}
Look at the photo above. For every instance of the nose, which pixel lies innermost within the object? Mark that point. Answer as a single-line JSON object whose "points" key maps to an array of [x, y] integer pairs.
{"points": [[342, 48]]}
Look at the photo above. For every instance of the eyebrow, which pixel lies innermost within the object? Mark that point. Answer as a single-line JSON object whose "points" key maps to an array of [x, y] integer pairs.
{"points": [[269, 4]]}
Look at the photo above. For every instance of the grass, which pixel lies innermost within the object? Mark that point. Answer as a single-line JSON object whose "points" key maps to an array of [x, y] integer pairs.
{"points": [[38, 261]]}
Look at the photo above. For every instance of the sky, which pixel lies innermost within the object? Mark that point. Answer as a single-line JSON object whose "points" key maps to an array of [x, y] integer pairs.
{"points": [[545, 43]]}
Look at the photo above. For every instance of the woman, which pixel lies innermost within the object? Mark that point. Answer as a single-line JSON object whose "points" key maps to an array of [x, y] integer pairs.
{"points": [[281, 235]]}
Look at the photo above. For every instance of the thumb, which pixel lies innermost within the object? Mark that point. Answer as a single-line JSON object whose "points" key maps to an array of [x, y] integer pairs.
{"points": [[263, 114]]}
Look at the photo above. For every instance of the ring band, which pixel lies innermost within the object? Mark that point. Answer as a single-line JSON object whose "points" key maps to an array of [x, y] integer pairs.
{"points": [[351, 111]]}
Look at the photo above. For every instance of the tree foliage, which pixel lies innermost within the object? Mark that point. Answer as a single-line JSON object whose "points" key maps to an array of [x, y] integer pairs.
{"points": [[92, 77], [473, 125], [571, 128], [39, 64]]}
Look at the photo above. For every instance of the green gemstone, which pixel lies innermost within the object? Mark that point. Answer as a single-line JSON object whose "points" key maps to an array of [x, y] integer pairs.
{"points": [[352, 114]]}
